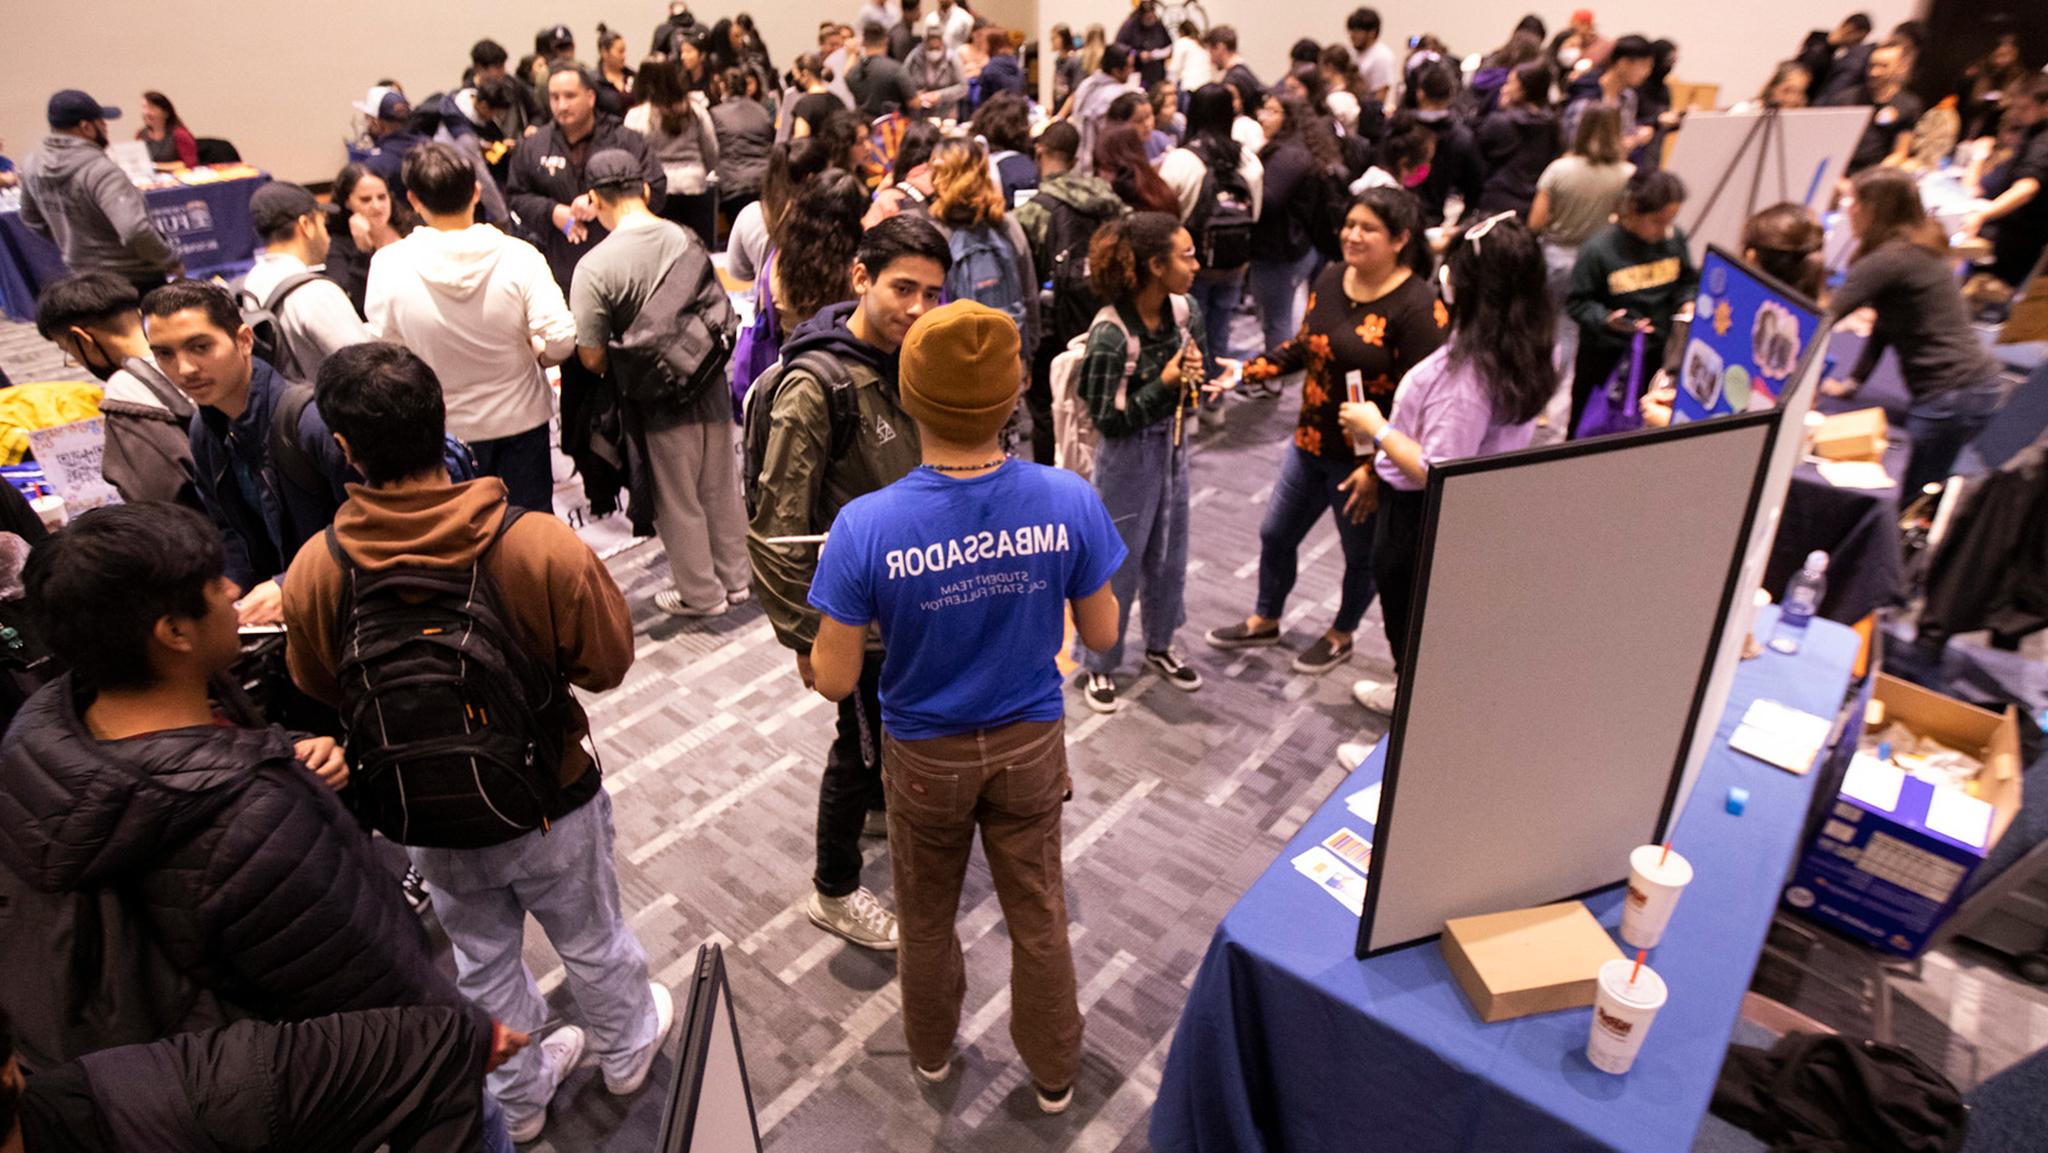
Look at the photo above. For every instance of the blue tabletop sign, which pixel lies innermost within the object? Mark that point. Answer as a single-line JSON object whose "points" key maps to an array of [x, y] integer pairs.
{"points": [[1748, 332]]}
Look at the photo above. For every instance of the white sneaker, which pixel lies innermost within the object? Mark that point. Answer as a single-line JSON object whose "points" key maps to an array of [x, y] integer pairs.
{"points": [[738, 598], [858, 917], [559, 1052], [664, 1017], [1351, 755], [671, 602], [1376, 696]]}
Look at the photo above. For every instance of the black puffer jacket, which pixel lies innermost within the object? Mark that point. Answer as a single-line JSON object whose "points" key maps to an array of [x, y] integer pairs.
{"points": [[257, 883]]}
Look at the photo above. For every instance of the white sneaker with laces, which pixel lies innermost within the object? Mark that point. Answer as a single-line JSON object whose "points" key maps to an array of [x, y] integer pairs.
{"points": [[1376, 696], [1351, 754], [1100, 692], [559, 1052], [664, 1018], [858, 917]]}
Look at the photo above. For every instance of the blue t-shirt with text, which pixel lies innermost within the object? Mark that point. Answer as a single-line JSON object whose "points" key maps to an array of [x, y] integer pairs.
{"points": [[969, 581]]}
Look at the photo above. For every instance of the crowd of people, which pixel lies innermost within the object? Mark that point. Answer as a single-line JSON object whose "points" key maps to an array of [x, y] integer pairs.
{"points": [[952, 290]]}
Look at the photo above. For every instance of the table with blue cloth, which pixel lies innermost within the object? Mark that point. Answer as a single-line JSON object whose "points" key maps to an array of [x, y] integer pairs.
{"points": [[1290, 1043], [208, 225]]}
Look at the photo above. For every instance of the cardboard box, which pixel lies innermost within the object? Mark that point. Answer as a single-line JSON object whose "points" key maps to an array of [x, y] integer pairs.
{"points": [[1893, 855], [1858, 435], [1528, 961]]}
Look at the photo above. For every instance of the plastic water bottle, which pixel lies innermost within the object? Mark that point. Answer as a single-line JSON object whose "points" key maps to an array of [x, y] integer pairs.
{"points": [[1802, 597]]}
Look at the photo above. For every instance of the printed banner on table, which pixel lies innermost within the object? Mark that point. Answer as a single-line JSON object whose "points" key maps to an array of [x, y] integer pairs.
{"points": [[1746, 340], [70, 455]]}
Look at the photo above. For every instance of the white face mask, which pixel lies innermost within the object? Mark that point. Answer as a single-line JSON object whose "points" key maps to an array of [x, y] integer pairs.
{"points": [[935, 54]]}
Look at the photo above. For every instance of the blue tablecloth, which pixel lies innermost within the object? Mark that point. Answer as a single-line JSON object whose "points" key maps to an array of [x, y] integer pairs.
{"points": [[1290, 1043], [207, 223]]}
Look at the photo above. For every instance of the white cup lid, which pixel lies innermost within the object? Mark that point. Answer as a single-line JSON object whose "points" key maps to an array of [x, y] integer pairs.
{"points": [[1648, 991]]}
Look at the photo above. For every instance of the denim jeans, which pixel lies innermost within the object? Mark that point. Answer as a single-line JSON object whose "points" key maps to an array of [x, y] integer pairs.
{"points": [[1217, 295], [523, 462], [1941, 425], [1277, 291], [1143, 480], [1010, 783], [1307, 487], [564, 877], [852, 783]]}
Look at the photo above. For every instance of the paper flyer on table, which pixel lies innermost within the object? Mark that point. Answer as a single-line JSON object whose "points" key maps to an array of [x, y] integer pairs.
{"points": [[1365, 803], [1781, 736], [1334, 877]]}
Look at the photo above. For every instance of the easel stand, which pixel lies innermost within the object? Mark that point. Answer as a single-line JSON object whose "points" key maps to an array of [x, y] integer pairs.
{"points": [[1767, 138]]}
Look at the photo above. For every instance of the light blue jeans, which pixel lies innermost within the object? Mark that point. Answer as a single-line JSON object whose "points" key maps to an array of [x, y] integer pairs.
{"points": [[565, 878], [1277, 289], [1143, 480]]}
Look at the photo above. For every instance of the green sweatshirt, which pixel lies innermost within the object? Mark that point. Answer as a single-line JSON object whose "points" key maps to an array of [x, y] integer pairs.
{"points": [[1617, 269]]}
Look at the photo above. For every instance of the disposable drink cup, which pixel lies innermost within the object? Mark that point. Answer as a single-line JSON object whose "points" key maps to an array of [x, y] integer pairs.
{"points": [[1655, 879], [1622, 1012]]}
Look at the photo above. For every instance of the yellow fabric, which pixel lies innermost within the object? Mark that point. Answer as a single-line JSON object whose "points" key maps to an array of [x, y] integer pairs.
{"points": [[43, 404]]}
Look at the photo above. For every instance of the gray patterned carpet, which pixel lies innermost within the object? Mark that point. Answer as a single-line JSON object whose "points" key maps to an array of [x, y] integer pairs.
{"points": [[712, 752]]}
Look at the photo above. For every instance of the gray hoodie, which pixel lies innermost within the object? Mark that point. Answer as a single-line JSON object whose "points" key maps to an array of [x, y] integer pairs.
{"points": [[73, 195]]}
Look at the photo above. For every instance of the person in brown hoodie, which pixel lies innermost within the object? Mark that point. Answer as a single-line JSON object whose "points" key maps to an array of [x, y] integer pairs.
{"points": [[384, 407]]}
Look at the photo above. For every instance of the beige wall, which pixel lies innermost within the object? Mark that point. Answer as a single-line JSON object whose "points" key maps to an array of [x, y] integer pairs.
{"points": [[276, 76], [1734, 43]]}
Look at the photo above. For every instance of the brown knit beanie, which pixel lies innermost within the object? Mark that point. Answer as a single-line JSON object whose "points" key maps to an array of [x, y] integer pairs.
{"points": [[961, 371]]}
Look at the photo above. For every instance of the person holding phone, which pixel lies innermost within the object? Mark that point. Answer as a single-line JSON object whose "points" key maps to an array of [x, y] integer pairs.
{"points": [[1478, 394], [1371, 318], [1632, 277]]}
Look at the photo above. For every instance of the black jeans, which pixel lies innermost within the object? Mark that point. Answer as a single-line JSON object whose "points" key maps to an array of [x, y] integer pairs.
{"points": [[697, 213], [1396, 558], [852, 783]]}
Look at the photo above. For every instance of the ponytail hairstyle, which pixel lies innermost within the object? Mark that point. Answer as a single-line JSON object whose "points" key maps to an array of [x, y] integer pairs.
{"points": [[1893, 211], [1121, 254], [1502, 320]]}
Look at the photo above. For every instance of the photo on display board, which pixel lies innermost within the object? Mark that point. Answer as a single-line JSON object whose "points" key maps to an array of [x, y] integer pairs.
{"points": [[1748, 338]]}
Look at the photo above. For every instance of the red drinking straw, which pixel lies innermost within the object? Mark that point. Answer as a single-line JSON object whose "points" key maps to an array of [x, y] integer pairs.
{"points": [[1632, 973], [1666, 854]]}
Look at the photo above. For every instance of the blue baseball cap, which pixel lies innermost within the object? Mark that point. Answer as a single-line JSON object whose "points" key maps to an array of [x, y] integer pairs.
{"points": [[71, 108]]}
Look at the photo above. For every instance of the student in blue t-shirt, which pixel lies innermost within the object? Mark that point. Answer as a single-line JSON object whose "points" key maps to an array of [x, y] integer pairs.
{"points": [[967, 567]]}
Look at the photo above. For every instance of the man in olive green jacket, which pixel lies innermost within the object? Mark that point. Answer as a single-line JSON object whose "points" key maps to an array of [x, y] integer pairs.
{"points": [[807, 475]]}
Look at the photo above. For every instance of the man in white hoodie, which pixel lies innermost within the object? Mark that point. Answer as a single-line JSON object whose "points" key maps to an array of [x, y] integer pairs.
{"points": [[482, 309]]}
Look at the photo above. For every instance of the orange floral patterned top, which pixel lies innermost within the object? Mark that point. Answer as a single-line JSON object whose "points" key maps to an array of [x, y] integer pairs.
{"points": [[1379, 339]]}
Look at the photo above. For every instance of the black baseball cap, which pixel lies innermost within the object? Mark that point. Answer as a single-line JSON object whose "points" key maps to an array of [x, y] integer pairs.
{"points": [[71, 108], [558, 37], [278, 204], [614, 168]]}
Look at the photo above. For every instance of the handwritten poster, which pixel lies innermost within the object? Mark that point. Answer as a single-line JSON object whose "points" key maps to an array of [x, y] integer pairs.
{"points": [[70, 455]]}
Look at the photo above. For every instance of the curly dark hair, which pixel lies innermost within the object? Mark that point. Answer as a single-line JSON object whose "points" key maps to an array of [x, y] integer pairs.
{"points": [[819, 238], [1121, 253]]}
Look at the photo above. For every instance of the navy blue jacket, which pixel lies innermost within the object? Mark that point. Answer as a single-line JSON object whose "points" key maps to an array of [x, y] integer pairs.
{"points": [[1001, 74], [264, 536]]}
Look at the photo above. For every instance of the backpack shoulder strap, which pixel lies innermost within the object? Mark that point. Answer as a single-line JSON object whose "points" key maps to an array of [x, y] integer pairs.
{"points": [[159, 385], [512, 514], [286, 453], [842, 409], [286, 287]]}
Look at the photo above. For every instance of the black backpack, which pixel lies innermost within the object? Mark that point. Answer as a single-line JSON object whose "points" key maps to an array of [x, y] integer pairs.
{"points": [[1222, 220], [681, 339], [1074, 303], [303, 469], [841, 407], [455, 730], [261, 317]]}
